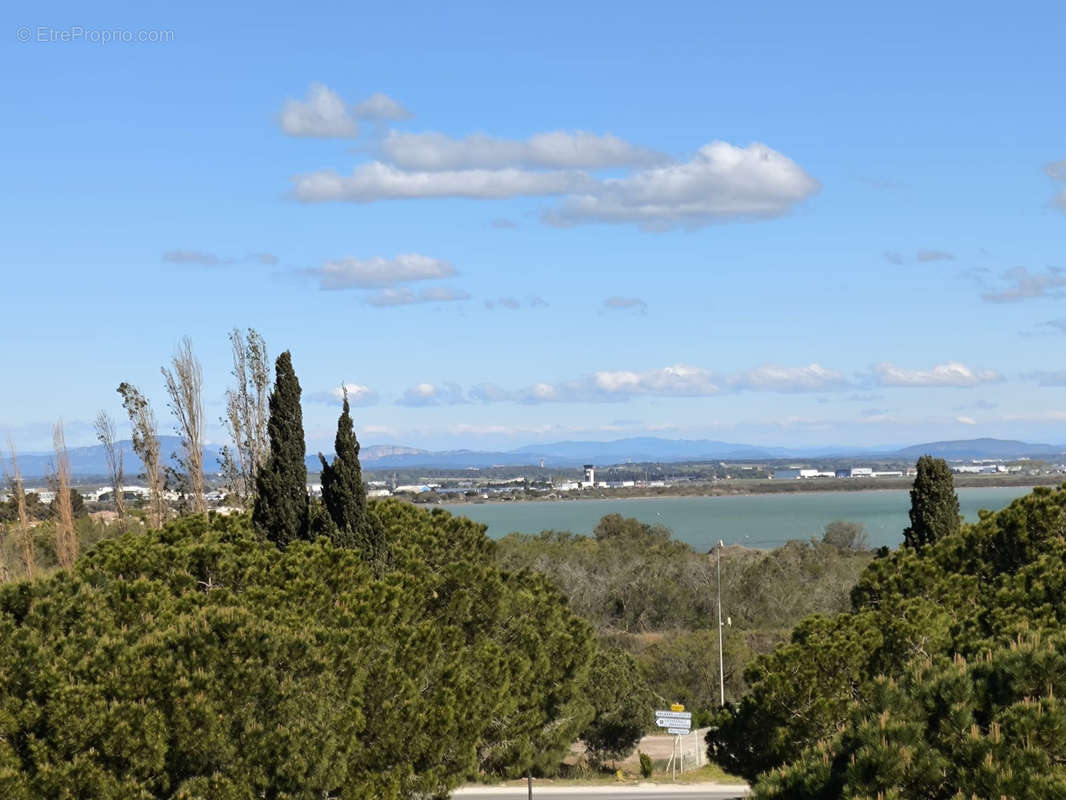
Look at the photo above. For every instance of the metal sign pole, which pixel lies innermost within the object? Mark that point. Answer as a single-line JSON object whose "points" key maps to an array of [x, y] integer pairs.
{"points": [[721, 659]]}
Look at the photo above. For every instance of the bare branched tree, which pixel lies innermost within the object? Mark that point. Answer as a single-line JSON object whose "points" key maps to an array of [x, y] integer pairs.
{"points": [[105, 432], [22, 530], [66, 538], [146, 446], [185, 385], [247, 411]]}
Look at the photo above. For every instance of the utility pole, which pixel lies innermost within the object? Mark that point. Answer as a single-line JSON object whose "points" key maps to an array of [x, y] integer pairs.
{"points": [[721, 658]]}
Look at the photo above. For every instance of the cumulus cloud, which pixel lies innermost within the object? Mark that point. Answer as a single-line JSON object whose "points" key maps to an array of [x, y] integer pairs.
{"points": [[772, 378], [378, 181], [431, 394], [1021, 284], [358, 395], [722, 182], [323, 115], [555, 150], [379, 272], [949, 374], [679, 380], [403, 296], [625, 303], [966, 420], [381, 106]]}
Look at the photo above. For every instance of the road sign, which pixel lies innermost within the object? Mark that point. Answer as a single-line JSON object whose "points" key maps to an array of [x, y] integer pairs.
{"points": [[673, 715], [679, 731], [674, 723], [677, 707]]}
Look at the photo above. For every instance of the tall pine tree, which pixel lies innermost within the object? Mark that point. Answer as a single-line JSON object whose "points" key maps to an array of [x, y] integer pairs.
{"points": [[280, 512], [934, 504], [344, 494]]}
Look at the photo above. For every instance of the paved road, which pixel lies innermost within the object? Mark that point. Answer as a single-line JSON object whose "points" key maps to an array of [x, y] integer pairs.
{"points": [[607, 793]]}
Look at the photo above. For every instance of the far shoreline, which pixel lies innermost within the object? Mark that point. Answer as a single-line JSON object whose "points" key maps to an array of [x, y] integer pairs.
{"points": [[749, 488]]}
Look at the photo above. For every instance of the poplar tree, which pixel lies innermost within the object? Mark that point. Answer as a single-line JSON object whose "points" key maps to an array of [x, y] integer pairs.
{"points": [[934, 504], [280, 511], [343, 491]]}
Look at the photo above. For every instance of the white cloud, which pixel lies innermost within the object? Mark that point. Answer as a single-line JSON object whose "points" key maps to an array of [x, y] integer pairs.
{"points": [[322, 115], [556, 149], [381, 106], [430, 394], [679, 380], [377, 181], [358, 395], [722, 182], [404, 296], [1021, 284], [966, 420], [948, 374], [379, 272], [773, 378]]}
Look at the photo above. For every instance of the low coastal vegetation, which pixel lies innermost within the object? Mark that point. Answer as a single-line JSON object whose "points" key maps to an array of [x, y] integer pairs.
{"points": [[337, 646]]}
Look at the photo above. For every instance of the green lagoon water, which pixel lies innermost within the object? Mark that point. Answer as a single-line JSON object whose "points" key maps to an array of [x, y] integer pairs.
{"points": [[753, 520]]}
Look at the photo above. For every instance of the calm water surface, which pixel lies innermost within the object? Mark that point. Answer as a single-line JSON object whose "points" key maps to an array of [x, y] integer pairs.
{"points": [[755, 520]]}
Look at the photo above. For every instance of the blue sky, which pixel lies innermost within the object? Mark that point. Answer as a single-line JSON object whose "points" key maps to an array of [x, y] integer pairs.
{"points": [[773, 223]]}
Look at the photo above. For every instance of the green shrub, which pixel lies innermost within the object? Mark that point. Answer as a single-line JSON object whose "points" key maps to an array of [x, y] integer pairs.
{"points": [[645, 764]]}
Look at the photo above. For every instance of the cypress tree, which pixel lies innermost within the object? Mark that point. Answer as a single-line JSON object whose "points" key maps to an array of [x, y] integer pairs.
{"points": [[343, 491], [280, 511], [934, 504]]}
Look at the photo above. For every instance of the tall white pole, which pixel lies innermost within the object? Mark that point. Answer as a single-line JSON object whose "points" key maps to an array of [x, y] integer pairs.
{"points": [[721, 658]]}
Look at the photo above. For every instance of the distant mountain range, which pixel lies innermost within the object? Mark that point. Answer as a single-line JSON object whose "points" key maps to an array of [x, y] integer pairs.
{"points": [[91, 462]]}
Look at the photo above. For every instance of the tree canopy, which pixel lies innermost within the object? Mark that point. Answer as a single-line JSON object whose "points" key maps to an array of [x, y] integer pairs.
{"points": [[280, 511], [934, 509], [942, 681], [200, 661]]}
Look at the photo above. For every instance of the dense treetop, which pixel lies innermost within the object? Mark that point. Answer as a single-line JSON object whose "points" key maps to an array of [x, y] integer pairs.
{"points": [[943, 681], [201, 661]]}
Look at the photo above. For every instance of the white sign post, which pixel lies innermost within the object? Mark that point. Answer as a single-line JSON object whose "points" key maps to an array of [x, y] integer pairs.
{"points": [[678, 723]]}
